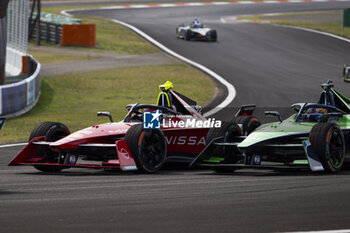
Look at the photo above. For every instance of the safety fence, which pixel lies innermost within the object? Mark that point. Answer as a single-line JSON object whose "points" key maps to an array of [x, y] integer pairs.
{"points": [[17, 35], [22, 87], [18, 98], [49, 32]]}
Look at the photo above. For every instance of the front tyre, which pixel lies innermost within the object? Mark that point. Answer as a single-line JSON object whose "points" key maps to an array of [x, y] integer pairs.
{"points": [[327, 141], [211, 35], [52, 131], [148, 147]]}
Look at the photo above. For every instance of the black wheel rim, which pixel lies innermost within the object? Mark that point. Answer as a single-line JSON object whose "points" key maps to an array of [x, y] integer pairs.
{"points": [[152, 150], [336, 149]]}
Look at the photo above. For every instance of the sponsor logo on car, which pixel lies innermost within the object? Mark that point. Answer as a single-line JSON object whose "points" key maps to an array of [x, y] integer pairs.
{"points": [[185, 140], [151, 120], [124, 153], [191, 123]]}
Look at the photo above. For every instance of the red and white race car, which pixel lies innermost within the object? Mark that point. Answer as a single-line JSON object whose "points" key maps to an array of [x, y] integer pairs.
{"points": [[175, 130]]}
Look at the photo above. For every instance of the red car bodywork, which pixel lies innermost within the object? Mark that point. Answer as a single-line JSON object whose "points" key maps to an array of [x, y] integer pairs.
{"points": [[107, 141]]}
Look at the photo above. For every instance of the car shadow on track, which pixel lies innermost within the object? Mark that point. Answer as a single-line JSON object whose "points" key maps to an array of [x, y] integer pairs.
{"points": [[273, 173], [4, 192], [182, 169]]}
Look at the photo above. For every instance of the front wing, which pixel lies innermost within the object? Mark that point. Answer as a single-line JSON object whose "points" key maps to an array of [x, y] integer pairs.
{"points": [[207, 159], [29, 156]]}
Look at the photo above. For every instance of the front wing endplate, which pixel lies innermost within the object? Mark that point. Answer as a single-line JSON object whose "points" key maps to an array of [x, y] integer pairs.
{"points": [[314, 161]]}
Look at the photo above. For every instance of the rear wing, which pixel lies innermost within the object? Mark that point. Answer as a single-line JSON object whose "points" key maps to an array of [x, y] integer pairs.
{"points": [[2, 121], [245, 110]]}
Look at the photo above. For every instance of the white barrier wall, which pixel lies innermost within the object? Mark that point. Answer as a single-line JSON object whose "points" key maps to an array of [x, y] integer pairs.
{"points": [[19, 97]]}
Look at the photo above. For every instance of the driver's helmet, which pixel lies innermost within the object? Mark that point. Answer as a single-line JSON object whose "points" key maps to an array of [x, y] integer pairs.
{"points": [[166, 86], [316, 114], [165, 98], [196, 24]]}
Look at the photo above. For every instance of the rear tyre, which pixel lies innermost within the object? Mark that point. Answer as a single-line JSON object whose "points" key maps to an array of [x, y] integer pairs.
{"points": [[228, 131], [249, 123], [327, 141], [148, 148], [52, 131]]}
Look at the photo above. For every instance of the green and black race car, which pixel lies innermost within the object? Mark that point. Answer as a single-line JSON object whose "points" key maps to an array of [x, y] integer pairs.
{"points": [[316, 137]]}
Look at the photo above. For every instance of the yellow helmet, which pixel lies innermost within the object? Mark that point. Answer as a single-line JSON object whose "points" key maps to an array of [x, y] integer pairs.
{"points": [[166, 86]]}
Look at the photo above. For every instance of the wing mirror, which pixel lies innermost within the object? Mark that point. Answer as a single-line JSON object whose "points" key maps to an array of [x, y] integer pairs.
{"points": [[274, 113], [296, 107], [105, 114]]}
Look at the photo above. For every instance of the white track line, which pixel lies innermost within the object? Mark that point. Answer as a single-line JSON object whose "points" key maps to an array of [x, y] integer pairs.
{"points": [[328, 231], [13, 145], [230, 88], [314, 31], [207, 4]]}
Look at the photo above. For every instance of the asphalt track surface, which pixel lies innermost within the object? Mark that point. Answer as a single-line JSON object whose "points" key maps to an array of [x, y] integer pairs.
{"points": [[268, 65]]}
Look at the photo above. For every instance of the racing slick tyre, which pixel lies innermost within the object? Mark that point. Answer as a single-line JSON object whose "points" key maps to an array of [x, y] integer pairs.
{"points": [[148, 148], [188, 35], [212, 35], [327, 141], [249, 123], [52, 131], [228, 131]]}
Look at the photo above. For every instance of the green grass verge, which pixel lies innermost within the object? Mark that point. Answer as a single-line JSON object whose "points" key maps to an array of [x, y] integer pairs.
{"points": [[74, 99], [330, 27], [110, 37], [46, 57], [335, 28]]}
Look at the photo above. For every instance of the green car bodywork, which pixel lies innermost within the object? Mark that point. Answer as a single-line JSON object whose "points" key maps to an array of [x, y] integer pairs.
{"points": [[316, 137]]}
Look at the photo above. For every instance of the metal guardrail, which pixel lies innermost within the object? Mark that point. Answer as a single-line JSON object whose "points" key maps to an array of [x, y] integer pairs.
{"points": [[49, 32], [18, 98], [50, 27]]}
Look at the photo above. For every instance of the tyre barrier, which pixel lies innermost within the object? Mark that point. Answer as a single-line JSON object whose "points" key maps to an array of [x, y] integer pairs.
{"points": [[18, 98]]}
